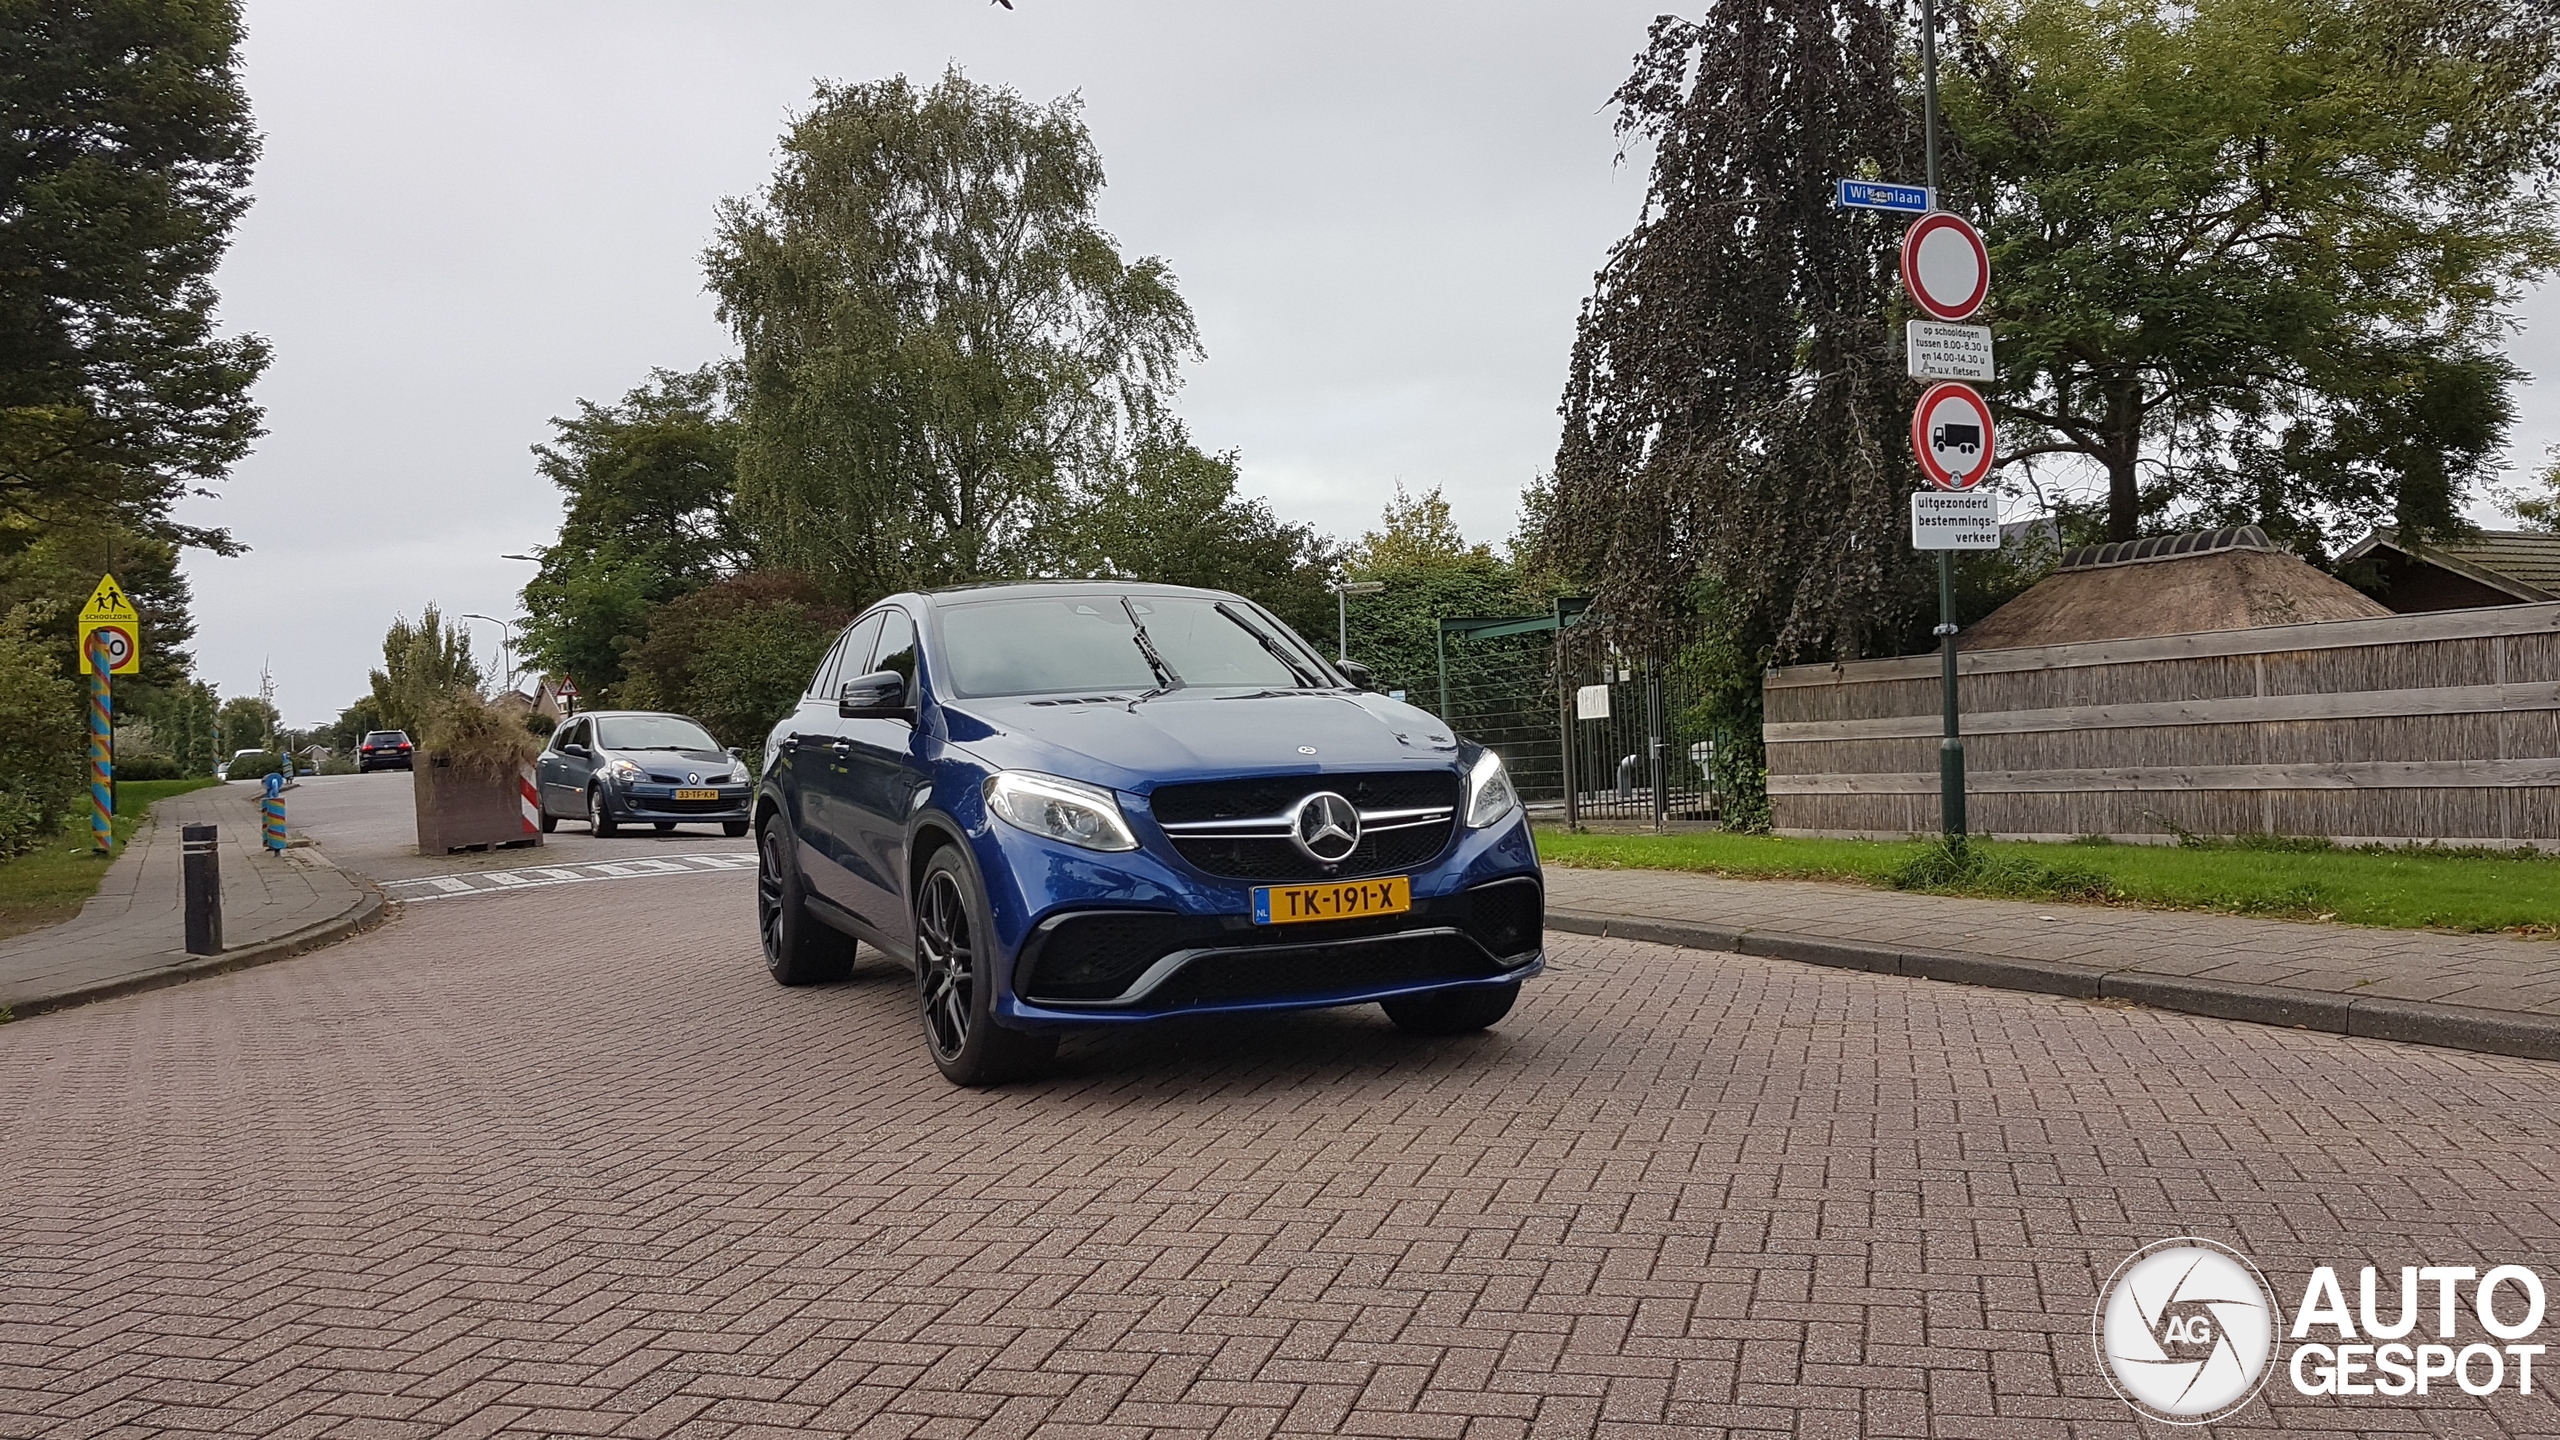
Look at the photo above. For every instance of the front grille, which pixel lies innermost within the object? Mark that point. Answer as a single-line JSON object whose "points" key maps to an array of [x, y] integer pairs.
{"points": [[1272, 858], [1271, 794], [1276, 857], [1095, 956]]}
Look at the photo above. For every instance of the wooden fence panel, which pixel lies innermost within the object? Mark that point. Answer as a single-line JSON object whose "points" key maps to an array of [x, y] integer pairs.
{"points": [[2442, 726]]}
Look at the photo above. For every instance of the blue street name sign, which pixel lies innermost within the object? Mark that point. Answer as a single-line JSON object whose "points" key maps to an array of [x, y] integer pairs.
{"points": [[1870, 195]]}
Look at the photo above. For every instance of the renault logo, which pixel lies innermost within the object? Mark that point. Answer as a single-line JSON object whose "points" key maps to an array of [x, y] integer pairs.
{"points": [[1326, 827]]}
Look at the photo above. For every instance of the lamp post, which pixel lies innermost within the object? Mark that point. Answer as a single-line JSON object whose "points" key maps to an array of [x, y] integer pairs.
{"points": [[506, 643], [1343, 588]]}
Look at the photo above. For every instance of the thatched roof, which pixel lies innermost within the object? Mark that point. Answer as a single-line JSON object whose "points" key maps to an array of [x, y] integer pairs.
{"points": [[2175, 585]]}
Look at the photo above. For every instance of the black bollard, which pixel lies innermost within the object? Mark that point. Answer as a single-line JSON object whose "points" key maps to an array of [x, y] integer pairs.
{"points": [[203, 858]]}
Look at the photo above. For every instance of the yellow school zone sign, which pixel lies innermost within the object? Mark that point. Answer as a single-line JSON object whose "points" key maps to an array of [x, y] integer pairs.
{"points": [[111, 616]]}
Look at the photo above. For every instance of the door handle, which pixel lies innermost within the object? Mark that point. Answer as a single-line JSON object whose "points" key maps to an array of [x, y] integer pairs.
{"points": [[790, 743]]}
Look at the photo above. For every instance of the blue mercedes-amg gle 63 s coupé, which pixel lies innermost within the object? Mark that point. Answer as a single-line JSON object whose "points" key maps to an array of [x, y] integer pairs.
{"points": [[1092, 803]]}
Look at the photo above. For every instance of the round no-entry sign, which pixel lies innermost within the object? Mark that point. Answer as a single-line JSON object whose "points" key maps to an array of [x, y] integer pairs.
{"points": [[1945, 266], [1951, 433]]}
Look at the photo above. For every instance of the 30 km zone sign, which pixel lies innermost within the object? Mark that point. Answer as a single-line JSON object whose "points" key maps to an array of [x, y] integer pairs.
{"points": [[1952, 436]]}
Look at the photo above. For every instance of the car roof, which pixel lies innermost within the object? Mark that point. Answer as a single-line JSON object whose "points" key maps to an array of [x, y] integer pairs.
{"points": [[612, 714], [1031, 589]]}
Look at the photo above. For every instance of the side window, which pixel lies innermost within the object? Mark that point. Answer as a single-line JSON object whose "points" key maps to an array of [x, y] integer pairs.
{"points": [[819, 680], [573, 733], [897, 650], [850, 657]]}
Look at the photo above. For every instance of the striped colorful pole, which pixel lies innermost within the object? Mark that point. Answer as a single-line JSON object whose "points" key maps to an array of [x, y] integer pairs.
{"points": [[271, 814], [102, 739]]}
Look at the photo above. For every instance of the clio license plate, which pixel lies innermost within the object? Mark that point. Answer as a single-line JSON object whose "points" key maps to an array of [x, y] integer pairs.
{"points": [[697, 794], [1333, 900]]}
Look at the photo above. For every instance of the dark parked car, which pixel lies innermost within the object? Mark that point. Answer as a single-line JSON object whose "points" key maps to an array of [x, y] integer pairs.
{"points": [[384, 750], [612, 768], [1092, 803]]}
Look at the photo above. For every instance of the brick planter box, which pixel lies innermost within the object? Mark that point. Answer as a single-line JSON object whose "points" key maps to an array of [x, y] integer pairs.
{"points": [[470, 812]]}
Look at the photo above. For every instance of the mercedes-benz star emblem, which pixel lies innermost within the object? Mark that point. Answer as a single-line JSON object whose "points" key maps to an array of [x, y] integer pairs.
{"points": [[1326, 827]]}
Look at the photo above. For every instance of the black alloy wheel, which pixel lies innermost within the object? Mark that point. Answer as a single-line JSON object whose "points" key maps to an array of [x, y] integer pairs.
{"points": [[952, 982], [1451, 1012], [599, 815], [799, 948]]}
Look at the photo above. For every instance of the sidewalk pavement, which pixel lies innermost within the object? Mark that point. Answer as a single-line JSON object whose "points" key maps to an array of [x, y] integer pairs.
{"points": [[132, 933], [2493, 993]]}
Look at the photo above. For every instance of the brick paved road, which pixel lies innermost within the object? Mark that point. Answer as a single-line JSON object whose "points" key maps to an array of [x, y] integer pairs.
{"points": [[476, 1173]]}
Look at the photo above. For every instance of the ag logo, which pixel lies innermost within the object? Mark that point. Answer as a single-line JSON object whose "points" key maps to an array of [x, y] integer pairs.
{"points": [[2186, 1331]]}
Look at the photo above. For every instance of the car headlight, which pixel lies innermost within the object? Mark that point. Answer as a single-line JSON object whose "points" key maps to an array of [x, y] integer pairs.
{"points": [[1489, 793], [1080, 815], [625, 770]]}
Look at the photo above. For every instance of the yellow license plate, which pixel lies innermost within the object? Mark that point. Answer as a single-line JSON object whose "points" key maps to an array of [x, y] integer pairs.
{"points": [[697, 794], [1333, 900]]}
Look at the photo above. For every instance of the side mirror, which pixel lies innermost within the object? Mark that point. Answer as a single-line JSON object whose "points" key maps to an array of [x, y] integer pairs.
{"points": [[734, 753], [880, 695], [1357, 672], [574, 748]]}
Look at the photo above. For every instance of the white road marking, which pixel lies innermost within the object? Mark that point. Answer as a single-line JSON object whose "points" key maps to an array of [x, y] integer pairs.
{"points": [[492, 882]]}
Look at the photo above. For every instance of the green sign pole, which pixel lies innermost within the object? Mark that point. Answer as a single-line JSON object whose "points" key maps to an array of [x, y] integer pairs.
{"points": [[1951, 747]]}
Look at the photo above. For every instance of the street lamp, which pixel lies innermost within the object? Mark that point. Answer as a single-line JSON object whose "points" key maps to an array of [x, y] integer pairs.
{"points": [[506, 643], [1343, 588]]}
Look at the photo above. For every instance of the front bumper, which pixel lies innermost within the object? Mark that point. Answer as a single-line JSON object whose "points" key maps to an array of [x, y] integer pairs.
{"points": [[1136, 936], [653, 803]]}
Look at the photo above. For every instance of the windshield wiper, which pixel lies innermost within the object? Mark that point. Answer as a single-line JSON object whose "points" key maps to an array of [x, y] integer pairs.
{"points": [[1277, 651], [1166, 680]]}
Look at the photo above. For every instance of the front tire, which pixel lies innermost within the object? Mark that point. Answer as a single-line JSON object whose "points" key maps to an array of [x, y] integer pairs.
{"points": [[954, 983], [664, 825], [550, 822], [733, 828], [799, 948], [1451, 1012], [599, 815]]}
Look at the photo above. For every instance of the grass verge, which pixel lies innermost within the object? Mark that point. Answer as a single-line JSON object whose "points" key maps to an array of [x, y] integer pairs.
{"points": [[50, 883], [2406, 888]]}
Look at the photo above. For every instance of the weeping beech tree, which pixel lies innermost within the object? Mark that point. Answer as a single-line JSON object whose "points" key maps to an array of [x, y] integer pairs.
{"points": [[1734, 420]]}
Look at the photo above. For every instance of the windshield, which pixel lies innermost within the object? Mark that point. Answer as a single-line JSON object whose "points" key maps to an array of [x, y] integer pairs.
{"points": [[1085, 644], [652, 732]]}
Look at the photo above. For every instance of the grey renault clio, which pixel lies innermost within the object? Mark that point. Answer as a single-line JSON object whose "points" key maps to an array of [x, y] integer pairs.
{"points": [[612, 768]]}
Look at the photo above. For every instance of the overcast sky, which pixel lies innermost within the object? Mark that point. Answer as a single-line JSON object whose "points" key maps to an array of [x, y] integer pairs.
{"points": [[470, 215]]}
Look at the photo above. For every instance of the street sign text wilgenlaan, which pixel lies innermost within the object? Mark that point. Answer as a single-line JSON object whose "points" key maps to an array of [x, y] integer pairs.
{"points": [[1877, 195]]}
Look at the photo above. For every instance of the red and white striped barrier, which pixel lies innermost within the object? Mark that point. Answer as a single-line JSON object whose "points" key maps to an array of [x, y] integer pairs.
{"points": [[530, 800]]}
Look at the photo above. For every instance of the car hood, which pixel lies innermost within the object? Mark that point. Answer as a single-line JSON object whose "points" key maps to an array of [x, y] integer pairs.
{"points": [[677, 762], [1194, 735]]}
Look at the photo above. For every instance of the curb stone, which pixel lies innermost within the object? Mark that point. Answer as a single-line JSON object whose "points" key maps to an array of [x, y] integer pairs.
{"points": [[2416, 1022], [370, 910]]}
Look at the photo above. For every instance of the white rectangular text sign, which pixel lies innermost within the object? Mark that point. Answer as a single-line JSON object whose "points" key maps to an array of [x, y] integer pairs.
{"points": [[1947, 352], [1591, 702], [1955, 520]]}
